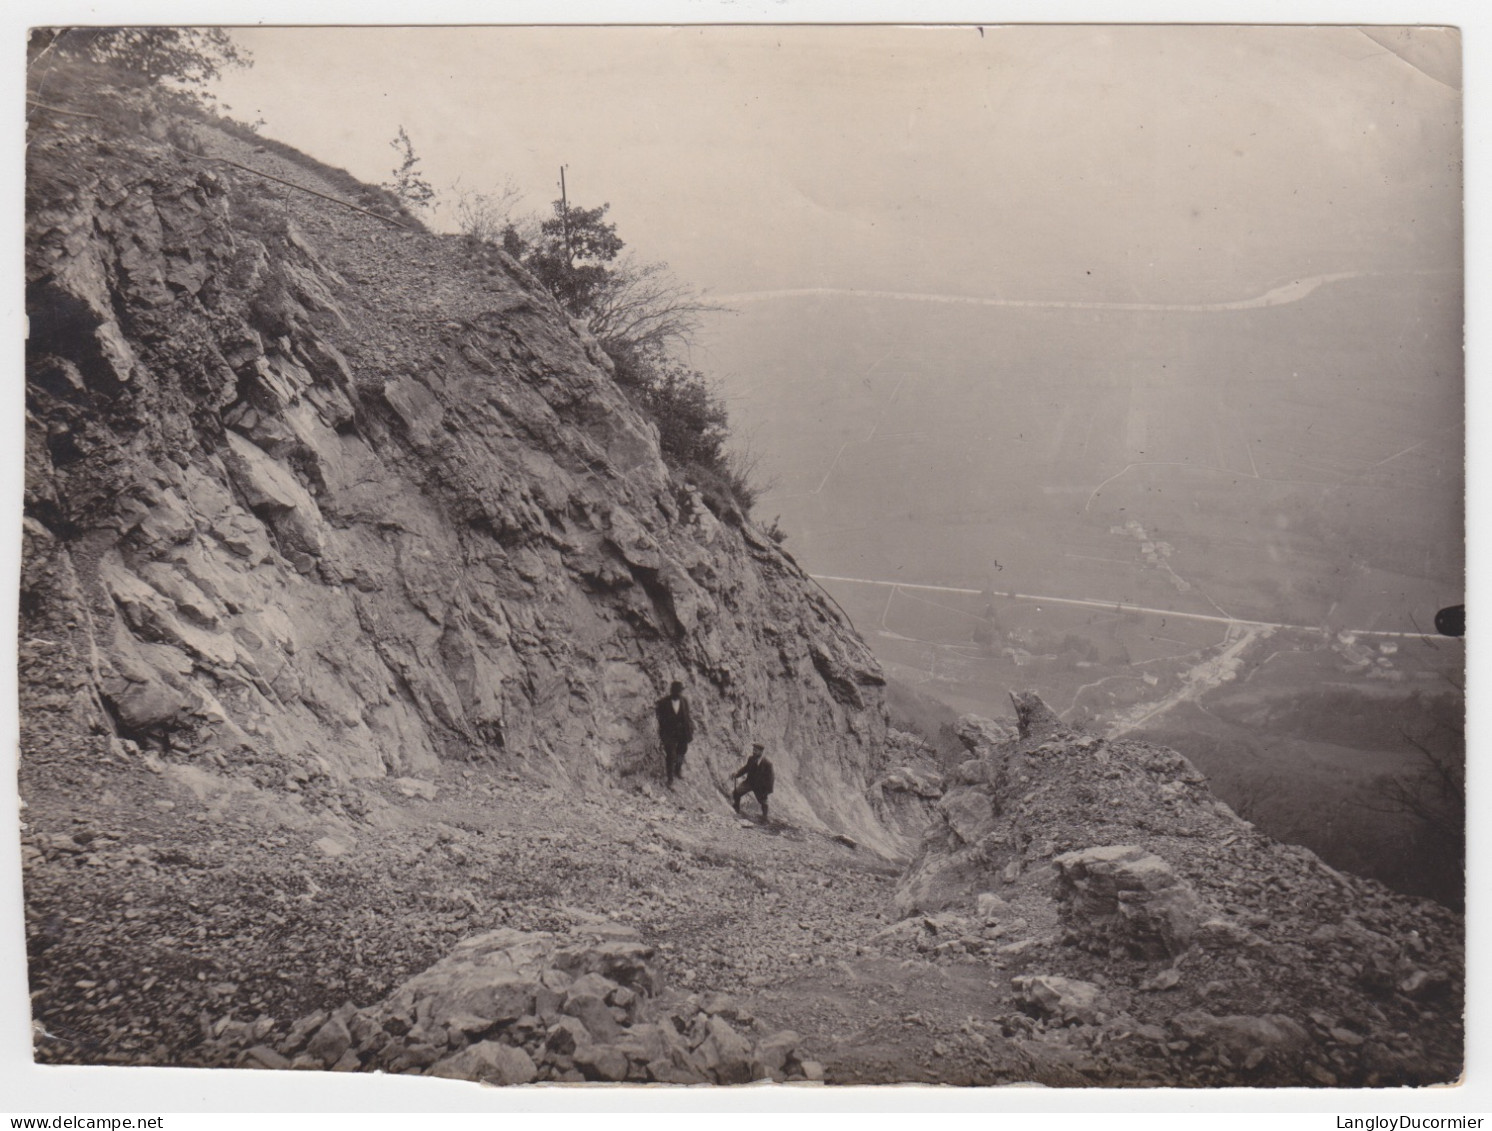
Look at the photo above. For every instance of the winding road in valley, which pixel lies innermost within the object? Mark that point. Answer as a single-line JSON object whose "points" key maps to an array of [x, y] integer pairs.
{"points": [[1123, 607]]}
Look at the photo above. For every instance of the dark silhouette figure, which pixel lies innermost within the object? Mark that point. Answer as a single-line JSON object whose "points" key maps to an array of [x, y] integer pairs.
{"points": [[756, 777], [1451, 621], [675, 730]]}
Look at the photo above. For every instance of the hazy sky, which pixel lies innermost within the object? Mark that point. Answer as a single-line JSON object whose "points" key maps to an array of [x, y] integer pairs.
{"points": [[1075, 163]]}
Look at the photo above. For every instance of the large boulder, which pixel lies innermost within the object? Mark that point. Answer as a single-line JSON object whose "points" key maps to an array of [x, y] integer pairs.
{"points": [[489, 1062], [1067, 999], [1122, 895], [978, 733]]}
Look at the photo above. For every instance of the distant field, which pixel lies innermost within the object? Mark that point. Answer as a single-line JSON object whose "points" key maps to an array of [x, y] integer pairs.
{"points": [[1299, 464], [1302, 462]]}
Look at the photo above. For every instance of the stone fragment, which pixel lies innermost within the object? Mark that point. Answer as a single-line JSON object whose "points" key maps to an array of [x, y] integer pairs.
{"points": [[1121, 893], [721, 1005], [1067, 999], [623, 961], [1322, 1075], [601, 1062], [644, 1043], [330, 1041], [1165, 979], [566, 1035], [988, 906], [414, 787], [301, 1031], [262, 1056], [547, 1004], [420, 1055], [490, 1062], [594, 1014], [667, 1072], [773, 1052], [597, 984], [724, 1055], [974, 771]]}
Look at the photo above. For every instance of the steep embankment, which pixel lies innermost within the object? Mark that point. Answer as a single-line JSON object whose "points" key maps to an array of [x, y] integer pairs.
{"points": [[314, 500]]}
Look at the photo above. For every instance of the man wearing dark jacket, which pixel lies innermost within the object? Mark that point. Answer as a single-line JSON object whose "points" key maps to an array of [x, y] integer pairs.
{"points": [[757, 777], [675, 730]]}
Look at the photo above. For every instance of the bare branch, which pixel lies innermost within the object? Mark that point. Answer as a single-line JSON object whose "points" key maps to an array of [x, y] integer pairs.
{"points": [[483, 216], [645, 307]]}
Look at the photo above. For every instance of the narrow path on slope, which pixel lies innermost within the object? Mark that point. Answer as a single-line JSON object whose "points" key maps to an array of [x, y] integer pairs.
{"points": [[784, 919]]}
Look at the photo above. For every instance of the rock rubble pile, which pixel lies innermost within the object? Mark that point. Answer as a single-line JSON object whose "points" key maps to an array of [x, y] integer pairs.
{"points": [[1141, 909], [515, 1007]]}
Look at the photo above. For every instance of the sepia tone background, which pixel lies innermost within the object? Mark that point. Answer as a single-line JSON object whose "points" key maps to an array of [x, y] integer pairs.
{"points": [[761, 175]]}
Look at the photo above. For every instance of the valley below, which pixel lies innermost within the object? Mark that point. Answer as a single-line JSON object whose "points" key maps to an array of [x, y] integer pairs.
{"points": [[1226, 529]]}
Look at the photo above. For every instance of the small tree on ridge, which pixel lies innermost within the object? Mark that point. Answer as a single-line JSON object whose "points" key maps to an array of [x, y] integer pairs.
{"points": [[408, 184]]}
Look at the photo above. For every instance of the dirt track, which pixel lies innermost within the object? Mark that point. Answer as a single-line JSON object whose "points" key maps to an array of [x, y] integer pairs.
{"points": [[249, 913]]}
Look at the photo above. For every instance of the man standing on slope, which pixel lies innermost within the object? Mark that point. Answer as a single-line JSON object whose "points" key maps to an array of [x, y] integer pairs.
{"points": [[757, 777], [675, 730]]}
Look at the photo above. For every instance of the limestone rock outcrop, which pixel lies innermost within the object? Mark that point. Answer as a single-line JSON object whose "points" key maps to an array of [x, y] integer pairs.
{"points": [[905, 794]]}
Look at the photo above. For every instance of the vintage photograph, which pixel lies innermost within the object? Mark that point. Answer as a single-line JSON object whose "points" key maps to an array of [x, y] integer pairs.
{"points": [[697, 555]]}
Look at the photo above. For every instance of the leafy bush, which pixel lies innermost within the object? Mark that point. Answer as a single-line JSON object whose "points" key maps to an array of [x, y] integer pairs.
{"points": [[190, 56], [570, 255]]}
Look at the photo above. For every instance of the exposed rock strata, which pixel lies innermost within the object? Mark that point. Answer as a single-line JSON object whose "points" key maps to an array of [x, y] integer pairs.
{"points": [[310, 499]]}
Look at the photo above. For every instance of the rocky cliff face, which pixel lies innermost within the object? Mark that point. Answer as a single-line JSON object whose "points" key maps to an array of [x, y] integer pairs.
{"points": [[312, 500]]}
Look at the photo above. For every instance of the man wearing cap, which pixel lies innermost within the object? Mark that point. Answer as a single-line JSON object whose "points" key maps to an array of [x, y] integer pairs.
{"points": [[675, 730], [757, 778]]}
